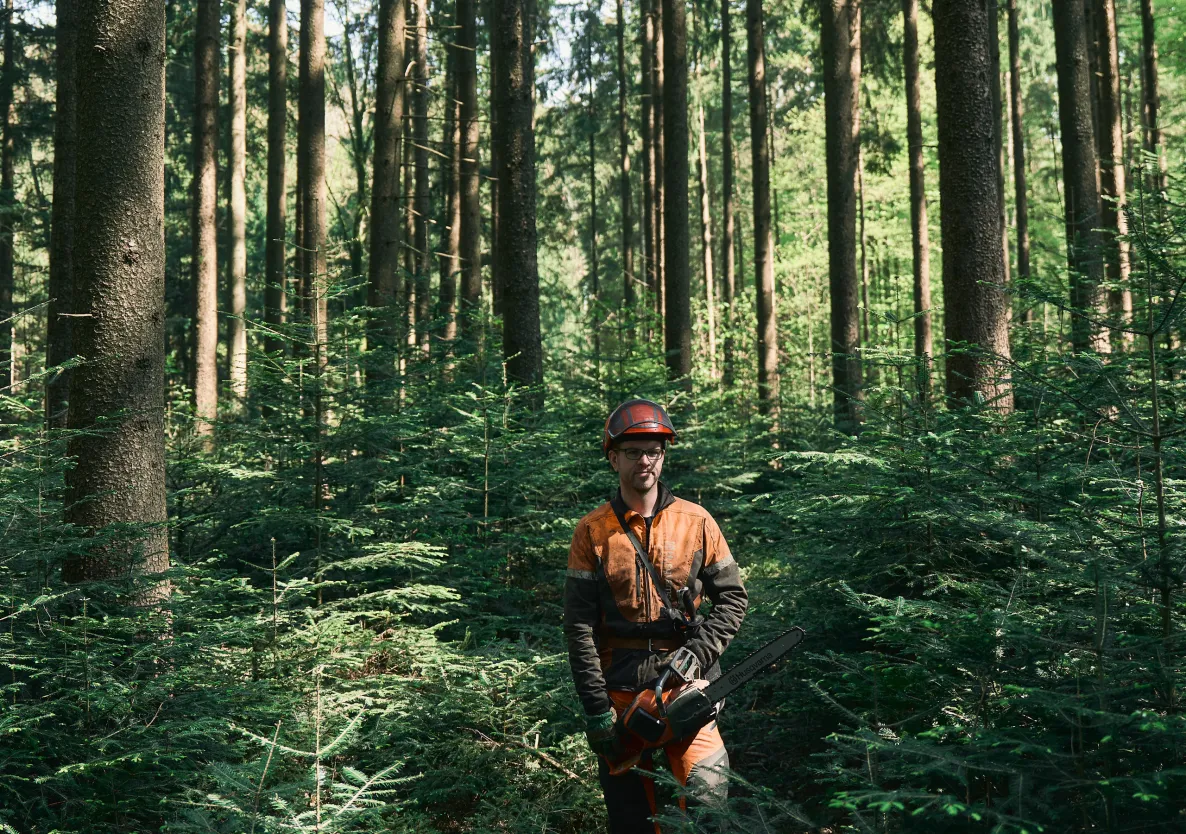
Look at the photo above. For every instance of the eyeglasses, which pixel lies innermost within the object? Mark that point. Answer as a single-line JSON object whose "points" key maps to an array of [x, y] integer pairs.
{"points": [[650, 454]]}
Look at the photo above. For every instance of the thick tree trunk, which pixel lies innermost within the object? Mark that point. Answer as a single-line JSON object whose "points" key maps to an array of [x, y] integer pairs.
{"points": [[1020, 195], [976, 307], [513, 31], [1080, 177], [384, 280], [274, 247], [841, 50], [422, 202], [649, 180], [920, 236], [471, 209], [1152, 103], [205, 218], [237, 267], [768, 382], [624, 168], [710, 295], [677, 243], [312, 123], [1112, 178], [450, 253], [119, 285], [61, 246], [728, 259]]}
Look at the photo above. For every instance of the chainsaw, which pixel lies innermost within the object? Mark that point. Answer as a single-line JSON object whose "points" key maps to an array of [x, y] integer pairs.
{"points": [[660, 715]]}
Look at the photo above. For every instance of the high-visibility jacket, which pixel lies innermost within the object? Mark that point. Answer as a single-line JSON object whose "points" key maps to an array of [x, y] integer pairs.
{"points": [[612, 613]]}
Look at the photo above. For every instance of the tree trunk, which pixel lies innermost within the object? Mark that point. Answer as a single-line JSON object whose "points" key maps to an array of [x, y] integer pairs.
{"points": [[920, 235], [624, 166], [61, 247], [649, 179], [1020, 195], [451, 227], [407, 297], [728, 259], [1080, 177], [386, 220], [658, 99], [975, 304], [471, 209], [768, 382], [8, 375], [492, 67], [274, 295], [841, 51], [863, 243], [677, 243], [119, 285], [710, 295], [1112, 178], [237, 268], [422, 202], [513, 31], [1152, 103], [205, 218], [994, 46], [594, 279]]}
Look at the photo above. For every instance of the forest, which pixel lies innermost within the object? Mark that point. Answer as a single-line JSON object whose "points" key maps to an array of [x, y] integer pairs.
{"points": [[312, 314]]}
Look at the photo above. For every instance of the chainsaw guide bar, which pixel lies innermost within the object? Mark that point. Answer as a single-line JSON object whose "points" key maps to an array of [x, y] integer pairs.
{"points": [[741, 674]]}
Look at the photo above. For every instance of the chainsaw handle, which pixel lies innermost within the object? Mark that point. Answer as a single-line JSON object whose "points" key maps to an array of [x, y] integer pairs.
{"points": [[659, 684]]}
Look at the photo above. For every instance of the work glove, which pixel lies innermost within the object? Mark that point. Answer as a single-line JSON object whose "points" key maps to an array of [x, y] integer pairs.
{"points": [[601, 730]]}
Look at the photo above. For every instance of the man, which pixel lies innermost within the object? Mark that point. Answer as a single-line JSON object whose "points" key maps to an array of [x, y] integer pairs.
{"points": [[622, 634]]}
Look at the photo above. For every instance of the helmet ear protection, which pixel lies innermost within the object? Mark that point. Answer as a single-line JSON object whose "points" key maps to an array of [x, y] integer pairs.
{"points": [[637, 418]]}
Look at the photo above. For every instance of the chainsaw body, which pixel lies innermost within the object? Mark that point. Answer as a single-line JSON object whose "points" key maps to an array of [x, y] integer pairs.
{"points": [[653, 721]]}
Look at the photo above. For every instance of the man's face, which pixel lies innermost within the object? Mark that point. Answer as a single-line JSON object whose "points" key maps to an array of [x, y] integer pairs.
{"points": [[643, 473]]}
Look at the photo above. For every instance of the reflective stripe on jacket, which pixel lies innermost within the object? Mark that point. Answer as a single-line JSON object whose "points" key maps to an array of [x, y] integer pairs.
{"points": [[608, 596]]}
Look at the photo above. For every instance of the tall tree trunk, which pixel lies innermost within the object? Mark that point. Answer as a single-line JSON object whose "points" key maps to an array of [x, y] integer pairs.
{"points": [[451, 227], [594, 278], [1020, 195], [624, 166], [513, 30], [768, 382], [649, 179], [920, 236], [8, 375], [841, 50], [384, 280], [312, 123], [1112, 178], [1080, 177], [274, 291], [677, 243], [976, 308], [205, 218], [237, 268], [61, 247], [994, 45], [659, 102], [710, 295], [119, 286], [1152, 103], [471, 209], [492, 65], [407, 299], [862, 242], [728, 259], [423, 204]]}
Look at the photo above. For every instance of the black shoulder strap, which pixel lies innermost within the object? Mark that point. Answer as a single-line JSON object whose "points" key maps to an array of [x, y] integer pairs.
{"points": [[641, 556]]}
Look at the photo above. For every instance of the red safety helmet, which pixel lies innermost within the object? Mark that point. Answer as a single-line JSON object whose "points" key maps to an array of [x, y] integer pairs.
{"points": [[637, 418]]}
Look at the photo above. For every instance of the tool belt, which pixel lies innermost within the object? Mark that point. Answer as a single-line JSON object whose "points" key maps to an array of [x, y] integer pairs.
{"points": [[656, 644]]}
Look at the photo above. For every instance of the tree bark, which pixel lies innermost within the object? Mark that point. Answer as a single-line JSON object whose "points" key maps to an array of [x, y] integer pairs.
{"points": [[594, 278], [237, 267], [119, 283], [205, 218], [975, 304], [649, 179], [450, 262], [8, 375], [1112, 175], [658, 100], [407, 297], [841, 51], [422, 201], [386, 219], [274, 247], [1152, 103], [471, 209], [1080, 177], [728, 259], [1020, 194], [920, 235], [61, 247], [677, 243], [624, 167], [994, 46], [710, 295], [513, 31], [768, 381]]}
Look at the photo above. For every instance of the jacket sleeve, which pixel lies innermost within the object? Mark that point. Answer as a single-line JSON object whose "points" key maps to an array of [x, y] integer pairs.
{"points": [[582, 614], [721, 580]]}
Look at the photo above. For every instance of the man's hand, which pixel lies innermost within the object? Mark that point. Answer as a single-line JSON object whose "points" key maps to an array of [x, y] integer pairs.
{"points": [[602, 733]]}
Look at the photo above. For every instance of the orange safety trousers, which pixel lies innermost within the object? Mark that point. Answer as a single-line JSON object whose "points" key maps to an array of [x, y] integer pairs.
{"points": [[697, 763]]}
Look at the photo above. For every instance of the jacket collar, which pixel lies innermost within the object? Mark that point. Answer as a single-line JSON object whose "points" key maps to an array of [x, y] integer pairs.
{"points": [[665, 500]]}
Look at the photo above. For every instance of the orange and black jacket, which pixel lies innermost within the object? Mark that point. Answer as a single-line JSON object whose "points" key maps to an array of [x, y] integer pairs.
{"points": [[612, 621]]}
